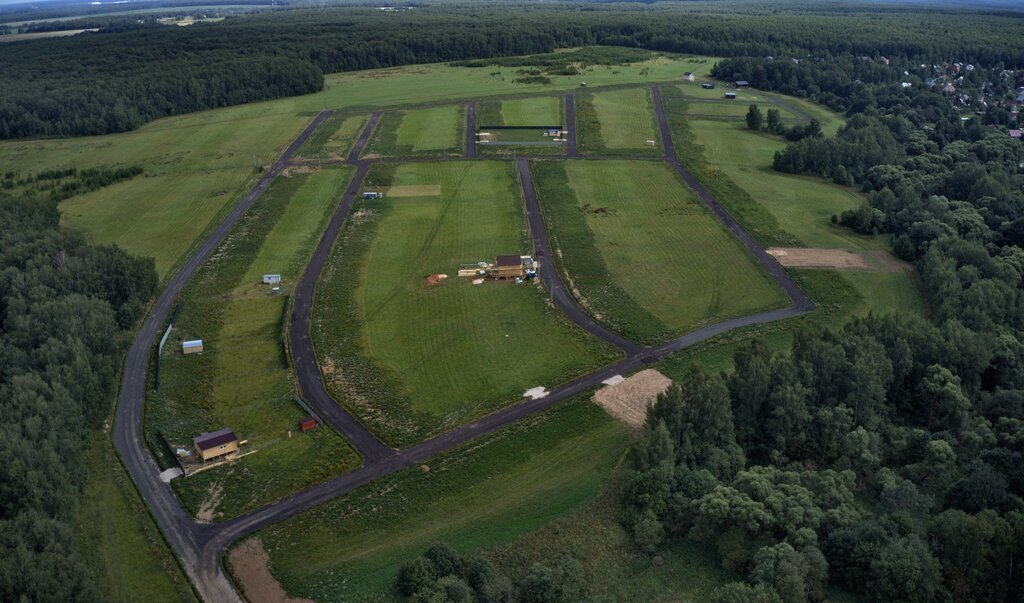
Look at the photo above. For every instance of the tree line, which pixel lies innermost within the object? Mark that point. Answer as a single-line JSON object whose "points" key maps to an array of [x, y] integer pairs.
{"points": [[116, 79], [66, 307], [885, 457], [442, 575]]}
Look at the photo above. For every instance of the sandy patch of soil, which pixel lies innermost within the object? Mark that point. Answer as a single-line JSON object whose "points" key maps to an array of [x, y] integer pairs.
{"points": [[208, 509], [414, 190], [250, 566], [810, 257], [628, 399]]}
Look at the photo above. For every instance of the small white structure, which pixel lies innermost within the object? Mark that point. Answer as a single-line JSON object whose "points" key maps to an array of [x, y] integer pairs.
{"points": [[373, 195], [651, 143], [688, 76], [192, 346], [271, 279]]}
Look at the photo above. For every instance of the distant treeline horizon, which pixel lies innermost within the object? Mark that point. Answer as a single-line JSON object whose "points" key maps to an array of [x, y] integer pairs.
{"points": [[125, 75]]}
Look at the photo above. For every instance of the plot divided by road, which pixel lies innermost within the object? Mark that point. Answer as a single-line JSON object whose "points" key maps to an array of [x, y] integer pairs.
{"points": [[200, 546]]}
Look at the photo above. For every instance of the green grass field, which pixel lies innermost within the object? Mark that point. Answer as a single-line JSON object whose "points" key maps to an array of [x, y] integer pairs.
{"points": [[334, 138], [433, 131], [617, 120], [198, 164], [483, 495], [804, 206], [539, 111], [242, 380], [412, 360], [643, 253], [123, 547]]}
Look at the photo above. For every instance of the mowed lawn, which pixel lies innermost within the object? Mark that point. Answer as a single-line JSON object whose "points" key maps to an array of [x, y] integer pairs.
{"points": [[334, 138], [434, 129], [484, 495], [196, 166], [626, 119], [412, 360], [242, 380], [538, 111], [804, 207], [645, 256]]}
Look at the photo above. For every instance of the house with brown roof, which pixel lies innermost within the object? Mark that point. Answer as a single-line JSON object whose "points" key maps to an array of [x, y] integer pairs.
{"points": [[508, 266], [215, 443]]}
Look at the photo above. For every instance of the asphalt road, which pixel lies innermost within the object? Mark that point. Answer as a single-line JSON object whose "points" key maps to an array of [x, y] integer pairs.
{"points": [[201, 546], [570, 126], [471, 129], [179, 529]]}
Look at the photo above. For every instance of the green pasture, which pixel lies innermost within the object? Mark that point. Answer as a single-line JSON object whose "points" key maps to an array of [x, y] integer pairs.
{"points": [[432, 131], [412, 360], [334, 138], [804, 207], [540, 111], [729, 108], [199, 164], [483, 495], [617, 120], [642, 253], [123, 547], [195, 166], [242, 379]]}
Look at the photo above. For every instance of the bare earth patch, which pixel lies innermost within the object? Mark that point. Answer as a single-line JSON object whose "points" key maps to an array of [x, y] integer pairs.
{"points": [[810, 257], [250, 566], [628, 399], [207, 510], [414, 190]]}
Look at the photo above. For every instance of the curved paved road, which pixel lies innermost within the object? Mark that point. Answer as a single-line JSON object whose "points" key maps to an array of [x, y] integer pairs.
{"points": [[200, 546]]}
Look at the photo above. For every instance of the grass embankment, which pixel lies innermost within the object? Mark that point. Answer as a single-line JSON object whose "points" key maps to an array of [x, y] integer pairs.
{"points": [[242, 380], [485, 494], [419, 132], [124, 548], [412, 360], [334, 138], [642, 253], [620, 121]]}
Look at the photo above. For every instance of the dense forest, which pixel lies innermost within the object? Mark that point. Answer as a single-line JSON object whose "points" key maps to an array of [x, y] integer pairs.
{"points": [[65, 309], [886, 456], [118, 78]]}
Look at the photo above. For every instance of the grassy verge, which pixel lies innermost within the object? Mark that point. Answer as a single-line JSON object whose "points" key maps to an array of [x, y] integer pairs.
{"points": [[128, 556], [483, 495], [242, 379], [412, 360], [642, 253]]}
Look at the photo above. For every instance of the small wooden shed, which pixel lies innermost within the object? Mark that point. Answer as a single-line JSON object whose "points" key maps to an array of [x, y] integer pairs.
{"points": [[192, 346], [508, 266], [307, 424], [215, 443]]}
